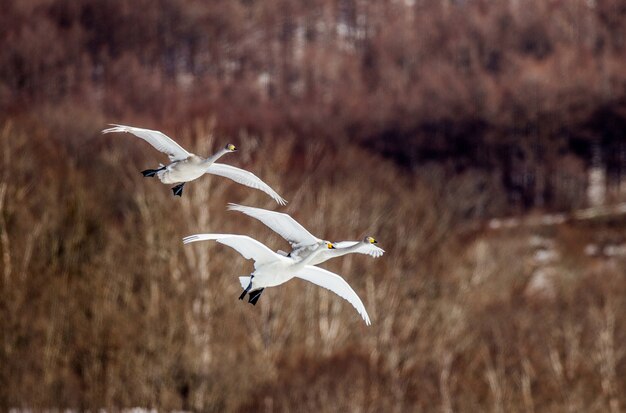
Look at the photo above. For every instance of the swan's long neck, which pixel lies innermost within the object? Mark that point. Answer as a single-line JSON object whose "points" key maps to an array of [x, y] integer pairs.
{"points": [[307, 260], [209, 161], [338, 252]]}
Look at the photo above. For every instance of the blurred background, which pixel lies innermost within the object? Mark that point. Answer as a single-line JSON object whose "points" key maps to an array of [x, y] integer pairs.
{"points": [[481, 142]]}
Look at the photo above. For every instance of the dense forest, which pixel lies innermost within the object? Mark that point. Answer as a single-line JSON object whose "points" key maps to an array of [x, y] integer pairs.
{"points": [[413, 121], [531, 92]]}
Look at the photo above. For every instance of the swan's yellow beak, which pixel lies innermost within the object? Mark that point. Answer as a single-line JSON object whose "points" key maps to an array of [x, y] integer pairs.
{"points": [[372, 240], [231, 147], [330, 246]]}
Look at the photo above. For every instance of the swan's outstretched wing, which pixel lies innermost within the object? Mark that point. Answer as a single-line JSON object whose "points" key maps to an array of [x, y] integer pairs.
{"points": [[283, 224], [245, 178], [369, 249], [160, 141], [336, 284], [249, 248]]}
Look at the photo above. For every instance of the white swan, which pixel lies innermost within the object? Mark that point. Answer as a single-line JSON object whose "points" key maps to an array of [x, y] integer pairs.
{"points": [[272, 269], [185, 166], [302, 241]]}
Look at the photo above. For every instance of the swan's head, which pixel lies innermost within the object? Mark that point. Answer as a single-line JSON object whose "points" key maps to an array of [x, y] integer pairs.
{"points": [[370, 240], [230, 147]]}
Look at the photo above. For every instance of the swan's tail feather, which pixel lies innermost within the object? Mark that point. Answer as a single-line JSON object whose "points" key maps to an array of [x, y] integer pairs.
{"points": [[245, 282]]}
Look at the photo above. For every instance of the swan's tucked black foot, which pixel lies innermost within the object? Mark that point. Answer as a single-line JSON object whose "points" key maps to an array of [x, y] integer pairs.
{"points": [[178, 189], [151, 172], [254, 296]]}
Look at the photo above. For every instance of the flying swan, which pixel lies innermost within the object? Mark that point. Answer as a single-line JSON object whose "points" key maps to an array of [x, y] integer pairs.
{"points": [[185, 166], [272, 269], [302, 241]]}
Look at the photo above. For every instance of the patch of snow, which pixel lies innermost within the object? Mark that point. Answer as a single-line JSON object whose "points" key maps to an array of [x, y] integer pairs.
{"points": [[592, 249], [544, 256], [615, 250], [541, 284]]}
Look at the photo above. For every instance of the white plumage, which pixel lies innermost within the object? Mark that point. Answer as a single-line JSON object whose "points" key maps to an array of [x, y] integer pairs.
{"points": [[244, 177], [272, 269], [302, 241], [160, 141], [185, 166]]}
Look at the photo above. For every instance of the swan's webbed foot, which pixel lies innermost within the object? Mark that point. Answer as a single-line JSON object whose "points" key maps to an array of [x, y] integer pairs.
{"points": [[254, 296], [151, 172], [178, 189]]}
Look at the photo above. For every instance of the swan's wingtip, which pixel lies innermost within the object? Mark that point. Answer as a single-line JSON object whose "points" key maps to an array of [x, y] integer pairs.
{"points": [[377, 253], [232, 206], [115, 128]]}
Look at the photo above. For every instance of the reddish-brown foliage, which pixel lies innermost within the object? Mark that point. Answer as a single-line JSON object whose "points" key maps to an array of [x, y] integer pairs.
{"points": [[410, 121]]}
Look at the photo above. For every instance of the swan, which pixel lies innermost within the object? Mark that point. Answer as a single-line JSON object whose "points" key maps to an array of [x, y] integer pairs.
{"points": [[272, 269], [302, 241], [185, 166]]}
